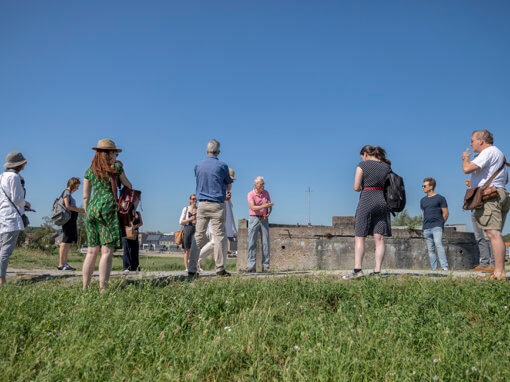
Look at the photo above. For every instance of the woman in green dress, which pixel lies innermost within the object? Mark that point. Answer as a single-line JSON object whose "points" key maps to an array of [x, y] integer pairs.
{"points": [[102, 222]]}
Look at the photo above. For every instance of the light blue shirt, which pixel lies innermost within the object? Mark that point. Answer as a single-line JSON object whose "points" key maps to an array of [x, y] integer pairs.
{"points": [[212, 179]]}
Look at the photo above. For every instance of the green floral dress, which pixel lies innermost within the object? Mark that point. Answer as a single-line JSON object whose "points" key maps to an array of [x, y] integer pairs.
{"points": [[102, 222]]}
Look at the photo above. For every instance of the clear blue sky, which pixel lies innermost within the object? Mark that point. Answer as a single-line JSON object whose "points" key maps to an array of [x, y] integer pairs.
{"points": [[291, 89]]}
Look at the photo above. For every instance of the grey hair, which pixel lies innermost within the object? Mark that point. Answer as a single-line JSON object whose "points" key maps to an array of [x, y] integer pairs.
{"points": [[258, 179], [213, 147]]}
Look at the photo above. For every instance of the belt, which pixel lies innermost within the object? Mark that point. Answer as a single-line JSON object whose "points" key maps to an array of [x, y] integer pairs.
{"points": [[372, 188]]}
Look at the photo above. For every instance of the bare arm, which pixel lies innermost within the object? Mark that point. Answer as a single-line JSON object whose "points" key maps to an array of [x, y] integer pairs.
{"points": [[253, 207], [71, 208], [358, 179], [445, 213], [467, 166], [125, 181], [87, 188]]}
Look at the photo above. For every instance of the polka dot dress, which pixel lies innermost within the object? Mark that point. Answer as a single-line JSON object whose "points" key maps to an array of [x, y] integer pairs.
{"points": [[372, 215]]}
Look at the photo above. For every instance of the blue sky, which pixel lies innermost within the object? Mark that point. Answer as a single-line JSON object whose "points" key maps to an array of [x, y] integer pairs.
{"points": [[291, 89]]}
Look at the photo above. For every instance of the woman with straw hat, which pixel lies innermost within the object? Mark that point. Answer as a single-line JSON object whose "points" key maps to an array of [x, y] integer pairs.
{"points": [[12, 208], [102, 222]]}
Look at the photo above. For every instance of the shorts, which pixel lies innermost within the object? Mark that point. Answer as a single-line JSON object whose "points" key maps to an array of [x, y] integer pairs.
{"points": [[492, 215]]}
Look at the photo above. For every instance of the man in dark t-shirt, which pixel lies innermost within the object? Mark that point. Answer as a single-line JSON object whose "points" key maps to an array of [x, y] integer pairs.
{"points": [[435, 214]]}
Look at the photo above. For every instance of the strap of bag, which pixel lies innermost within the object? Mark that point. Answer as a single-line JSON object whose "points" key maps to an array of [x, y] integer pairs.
{"points": [[113, 183], [494, 175], [9, 199]]}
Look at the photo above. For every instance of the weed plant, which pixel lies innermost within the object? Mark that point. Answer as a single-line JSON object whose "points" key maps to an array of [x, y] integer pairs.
{"points": [[287, 328]]}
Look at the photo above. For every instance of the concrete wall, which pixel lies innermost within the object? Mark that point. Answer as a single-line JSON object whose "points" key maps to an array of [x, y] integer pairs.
{"points": [[332, 247]]}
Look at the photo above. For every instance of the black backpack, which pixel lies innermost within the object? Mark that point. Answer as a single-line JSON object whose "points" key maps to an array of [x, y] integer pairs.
{"points": [[394, 193]]}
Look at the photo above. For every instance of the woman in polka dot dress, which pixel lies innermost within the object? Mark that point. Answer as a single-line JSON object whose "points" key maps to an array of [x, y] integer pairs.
{"points": [[102, 222], [372, 216]]}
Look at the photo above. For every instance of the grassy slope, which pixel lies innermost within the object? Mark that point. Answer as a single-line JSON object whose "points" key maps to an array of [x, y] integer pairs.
{"points": [[240, 329], [31, 259]]}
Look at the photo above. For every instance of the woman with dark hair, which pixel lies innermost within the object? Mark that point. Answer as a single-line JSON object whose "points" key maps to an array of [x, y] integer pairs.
{"points": [[70, 231], [188, 219], [12, 208], [102, 222], [372, 216]]}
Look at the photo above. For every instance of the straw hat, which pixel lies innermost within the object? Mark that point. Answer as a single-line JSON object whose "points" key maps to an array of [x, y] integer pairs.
{"points": [[232, 173], [14, 159], [106, 144]]}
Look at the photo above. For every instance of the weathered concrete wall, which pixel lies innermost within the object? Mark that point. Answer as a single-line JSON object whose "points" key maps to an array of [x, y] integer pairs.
{"points": [[332, 247]]}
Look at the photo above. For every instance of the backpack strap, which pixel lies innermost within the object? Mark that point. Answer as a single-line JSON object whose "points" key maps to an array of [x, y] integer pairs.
{"points": [[495, 174]]}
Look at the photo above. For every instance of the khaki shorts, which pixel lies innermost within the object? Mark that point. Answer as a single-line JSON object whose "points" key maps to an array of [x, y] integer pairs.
{"points": [[493, 214]]}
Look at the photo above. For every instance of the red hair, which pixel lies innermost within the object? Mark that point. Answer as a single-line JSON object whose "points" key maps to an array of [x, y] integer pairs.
{"points": [[100, 165]]}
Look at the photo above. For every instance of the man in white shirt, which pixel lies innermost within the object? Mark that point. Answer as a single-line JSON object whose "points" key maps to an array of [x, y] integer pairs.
{"points": [[491, 217]]}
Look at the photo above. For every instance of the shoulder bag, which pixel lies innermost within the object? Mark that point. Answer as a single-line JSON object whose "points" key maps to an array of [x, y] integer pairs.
{"points": [[179, 236], [474, 197]]}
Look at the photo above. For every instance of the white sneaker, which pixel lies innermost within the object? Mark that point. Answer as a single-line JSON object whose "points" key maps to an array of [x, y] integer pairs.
{"points": [[353, 275]]}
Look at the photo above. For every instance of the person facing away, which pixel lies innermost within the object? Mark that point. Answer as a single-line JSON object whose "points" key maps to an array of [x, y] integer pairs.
{"points": [[102, 222], [372, 216], [188, 220], [70, 229], [261, 207], [12, 207], [435, 213], [491, 217], [213, 181], [131, 247]]}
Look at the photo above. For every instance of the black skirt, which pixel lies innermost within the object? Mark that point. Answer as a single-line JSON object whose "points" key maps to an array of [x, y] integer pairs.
{"points": [[70, 229], [187, 233]]}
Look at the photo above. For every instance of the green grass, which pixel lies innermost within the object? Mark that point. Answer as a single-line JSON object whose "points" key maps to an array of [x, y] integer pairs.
{"points": [[33, 259], [291, 328]]}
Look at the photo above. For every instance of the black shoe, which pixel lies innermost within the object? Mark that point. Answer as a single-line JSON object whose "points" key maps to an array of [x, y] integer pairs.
{"points": [[223, 273], [249, 270], [192, 276]]}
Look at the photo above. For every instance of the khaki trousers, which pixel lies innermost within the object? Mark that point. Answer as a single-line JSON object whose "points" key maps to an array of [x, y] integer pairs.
{"points": [[214, 212]]}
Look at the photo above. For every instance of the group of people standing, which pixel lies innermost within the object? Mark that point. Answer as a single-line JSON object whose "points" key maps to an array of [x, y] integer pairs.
{"points": [[214, 181], [488, 170]]}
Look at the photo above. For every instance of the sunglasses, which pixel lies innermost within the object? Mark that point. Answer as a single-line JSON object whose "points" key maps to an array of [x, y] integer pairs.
{"points": [[424, 186]]}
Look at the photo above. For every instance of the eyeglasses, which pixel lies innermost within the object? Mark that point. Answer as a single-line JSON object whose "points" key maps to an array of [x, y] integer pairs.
{"points": [[424, 186]]}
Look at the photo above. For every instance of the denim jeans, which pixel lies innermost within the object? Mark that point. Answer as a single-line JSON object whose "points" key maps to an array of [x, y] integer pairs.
{"points": [[434, 237], [254, 227]]}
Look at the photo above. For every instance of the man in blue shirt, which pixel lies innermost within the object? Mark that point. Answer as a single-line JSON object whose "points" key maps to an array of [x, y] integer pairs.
{"points": [[435, 213], [213, 182]]}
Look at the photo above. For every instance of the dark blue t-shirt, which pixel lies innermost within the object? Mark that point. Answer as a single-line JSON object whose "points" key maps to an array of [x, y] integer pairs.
{"points": [[432, 214]]}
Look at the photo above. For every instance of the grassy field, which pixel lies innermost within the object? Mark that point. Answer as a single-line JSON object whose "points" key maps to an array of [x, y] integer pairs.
{"points": [[31, 259], [291, 328]]}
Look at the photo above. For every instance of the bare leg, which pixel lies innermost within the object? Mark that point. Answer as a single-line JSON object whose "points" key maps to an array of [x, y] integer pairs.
{"points": [[89, 264], [105, 267], [186, 258], [498, 250], [359, 251], [379, 251], [64, 250]]}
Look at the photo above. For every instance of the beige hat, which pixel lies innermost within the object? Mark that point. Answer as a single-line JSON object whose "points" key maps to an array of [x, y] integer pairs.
{"points": [[14, 159], [232, 173], [106, 144]]}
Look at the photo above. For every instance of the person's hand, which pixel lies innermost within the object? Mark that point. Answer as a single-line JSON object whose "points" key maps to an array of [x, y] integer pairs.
{"points": [[263, 218], [468, 183], [28, 205], [466, 154], [229, 195], [193, 219], [268, 205]]}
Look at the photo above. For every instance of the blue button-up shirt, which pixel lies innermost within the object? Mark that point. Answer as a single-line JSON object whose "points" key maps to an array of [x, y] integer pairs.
{"points": [[212, 179]]}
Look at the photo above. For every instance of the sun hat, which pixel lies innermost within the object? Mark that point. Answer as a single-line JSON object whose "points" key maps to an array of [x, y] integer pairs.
{"points": [[14, 159], [106, 144], [232, 173]]}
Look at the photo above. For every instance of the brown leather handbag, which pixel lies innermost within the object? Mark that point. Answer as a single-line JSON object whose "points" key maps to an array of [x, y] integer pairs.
{"points": [[179, 236], [474, 197], [127, 203]]}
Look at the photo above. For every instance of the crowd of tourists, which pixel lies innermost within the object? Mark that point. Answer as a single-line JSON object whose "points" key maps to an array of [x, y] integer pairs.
{"points": [[209, 227]]}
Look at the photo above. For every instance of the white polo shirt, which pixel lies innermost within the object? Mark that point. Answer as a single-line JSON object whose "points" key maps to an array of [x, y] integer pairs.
{"points": [[489, 161]]}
